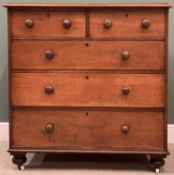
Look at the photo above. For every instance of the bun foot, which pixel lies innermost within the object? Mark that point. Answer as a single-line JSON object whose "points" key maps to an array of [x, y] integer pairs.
{"points": [[156, 163], [19, 160]]}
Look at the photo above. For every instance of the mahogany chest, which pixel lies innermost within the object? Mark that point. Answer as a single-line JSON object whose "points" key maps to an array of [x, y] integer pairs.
{"points": [[88, 78]]}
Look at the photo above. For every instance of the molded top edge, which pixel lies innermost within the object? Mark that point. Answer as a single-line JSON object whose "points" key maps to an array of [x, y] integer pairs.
{"points": [[91, 5]]}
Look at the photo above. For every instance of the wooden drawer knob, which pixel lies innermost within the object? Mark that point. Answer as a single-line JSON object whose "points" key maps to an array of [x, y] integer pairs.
{"points": [[125, 90], [146, 23], [125, 129], [49, 128], [49, 54], [125, 55], [66, 23], [107, 24], [29, 23], [49, 89]]}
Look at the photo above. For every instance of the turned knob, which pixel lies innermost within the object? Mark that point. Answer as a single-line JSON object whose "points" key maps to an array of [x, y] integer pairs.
{"points": [[49, 128], [66, 23], [29, 23], [125, 90], [125, 129], [125, 55], [146, 23], [107, 24], [49, 54], [49, 89]]}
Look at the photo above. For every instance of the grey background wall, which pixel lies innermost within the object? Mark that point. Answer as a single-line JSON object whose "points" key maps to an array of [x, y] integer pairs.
{"points": [[4, 51]]}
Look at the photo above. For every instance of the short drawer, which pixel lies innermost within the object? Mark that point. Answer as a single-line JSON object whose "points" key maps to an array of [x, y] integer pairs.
{"points": [[108, 55], [88, 89], [88, 130], [128, 24], [47, 24]]}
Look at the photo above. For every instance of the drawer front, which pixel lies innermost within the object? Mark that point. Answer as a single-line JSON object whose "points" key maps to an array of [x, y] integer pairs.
{"points": [[128, 24], [108, 55], [102, 130], [47, 24], [88, 89]]}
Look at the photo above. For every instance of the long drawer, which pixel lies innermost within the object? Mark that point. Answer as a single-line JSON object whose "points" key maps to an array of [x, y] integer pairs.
{"points": [[107, 55], [88, 89], [96, 130]]}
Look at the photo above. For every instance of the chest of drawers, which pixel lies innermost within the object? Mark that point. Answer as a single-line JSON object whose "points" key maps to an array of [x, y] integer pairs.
{"points": [[88, 79]]}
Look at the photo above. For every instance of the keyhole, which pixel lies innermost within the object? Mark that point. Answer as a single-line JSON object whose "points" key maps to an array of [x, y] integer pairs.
{"points": [[87, 44], [48, 15], [126, 15], [87, 114], [87, 77]]}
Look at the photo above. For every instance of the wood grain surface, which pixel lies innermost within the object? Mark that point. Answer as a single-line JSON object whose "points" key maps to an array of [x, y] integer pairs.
{"points": [[88, 90], [47, 24], [106, 55], [127, 24], [88, 130]]}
